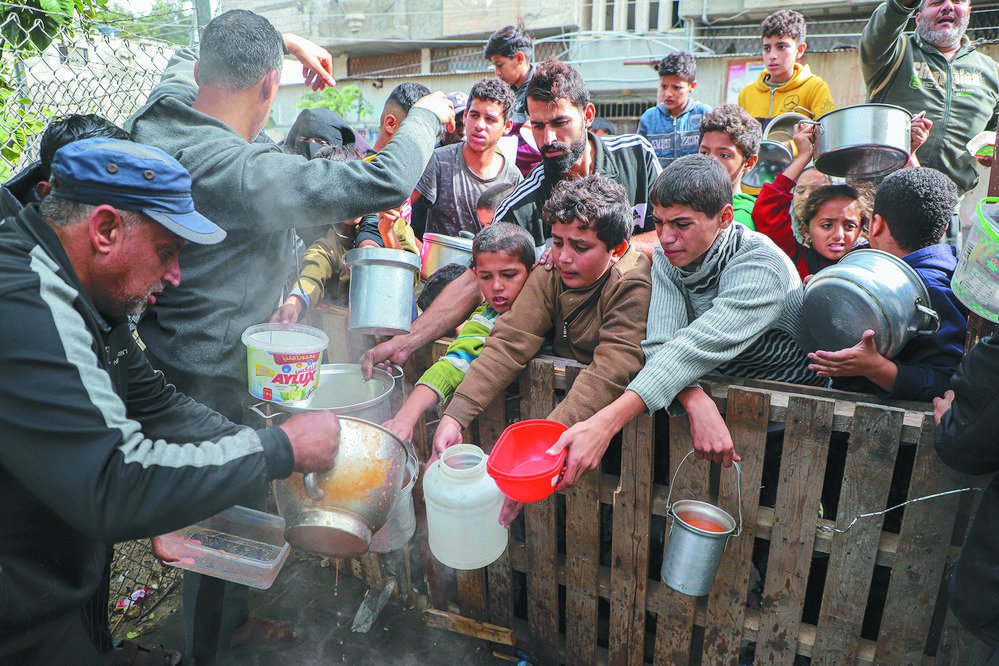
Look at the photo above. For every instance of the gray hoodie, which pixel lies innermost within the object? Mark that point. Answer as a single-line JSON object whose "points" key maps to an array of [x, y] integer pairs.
{"points": [[258, 195]]}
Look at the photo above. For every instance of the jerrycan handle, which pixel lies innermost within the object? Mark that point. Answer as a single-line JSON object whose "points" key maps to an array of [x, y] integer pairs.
{"points": [[738, 477]]}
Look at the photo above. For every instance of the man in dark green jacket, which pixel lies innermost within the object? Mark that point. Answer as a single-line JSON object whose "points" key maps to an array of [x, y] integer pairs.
{"points": [[936, 69], [207, 111]]}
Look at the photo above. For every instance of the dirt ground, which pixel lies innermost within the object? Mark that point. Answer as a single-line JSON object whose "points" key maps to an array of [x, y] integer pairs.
{"points": [[321, 604]]}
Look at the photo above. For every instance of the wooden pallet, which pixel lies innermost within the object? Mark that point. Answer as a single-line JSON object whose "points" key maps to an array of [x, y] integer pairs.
{"points": [[594, 602]]}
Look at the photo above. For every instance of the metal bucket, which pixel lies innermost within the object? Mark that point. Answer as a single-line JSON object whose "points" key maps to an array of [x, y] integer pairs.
{"points": [[401, 524], [381, 290], [698, 534]]}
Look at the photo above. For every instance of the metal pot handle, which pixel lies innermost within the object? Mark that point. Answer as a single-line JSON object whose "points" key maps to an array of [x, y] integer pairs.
{"points": [[932, 314], [738, 472], [396, 371], [257, 409], [312, 488]]}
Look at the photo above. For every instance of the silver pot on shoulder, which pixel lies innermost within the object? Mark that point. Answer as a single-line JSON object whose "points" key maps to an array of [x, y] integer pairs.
{"points": [[440, 250], [863, 140], [868, 289]]}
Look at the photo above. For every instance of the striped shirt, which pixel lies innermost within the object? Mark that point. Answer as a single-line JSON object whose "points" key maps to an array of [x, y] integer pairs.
{"points": [[738, 313], [627, 158]]}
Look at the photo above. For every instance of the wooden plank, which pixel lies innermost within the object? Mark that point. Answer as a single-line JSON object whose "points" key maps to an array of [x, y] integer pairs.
{"points": [[467, 627], [924, 541], [803, 464], [747, 416], [630, 544], [582, 562], [499, 576], [675, 613], [472, 593], [866, 477], [540, 527]]}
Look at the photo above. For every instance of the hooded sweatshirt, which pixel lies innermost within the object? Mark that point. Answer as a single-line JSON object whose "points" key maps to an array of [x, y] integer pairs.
{"points": [[258, 194], [804, 90]]}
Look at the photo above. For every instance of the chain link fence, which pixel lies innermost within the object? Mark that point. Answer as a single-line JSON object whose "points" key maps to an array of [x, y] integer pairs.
{"points": [[83, 67], [86, 67]]}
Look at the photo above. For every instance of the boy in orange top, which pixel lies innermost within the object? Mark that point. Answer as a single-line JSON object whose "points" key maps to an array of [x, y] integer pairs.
{"points": [[786, 85]]}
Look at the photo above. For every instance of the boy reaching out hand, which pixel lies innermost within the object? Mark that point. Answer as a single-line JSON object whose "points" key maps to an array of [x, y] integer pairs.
{"points": [[502, 258]]}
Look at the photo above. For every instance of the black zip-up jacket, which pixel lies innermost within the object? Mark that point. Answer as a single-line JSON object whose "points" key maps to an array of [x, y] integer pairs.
{"points": [[967, 440], [96, 446]]}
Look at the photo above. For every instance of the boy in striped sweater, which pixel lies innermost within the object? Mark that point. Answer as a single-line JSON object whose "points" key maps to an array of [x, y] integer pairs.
{"points": [[724, 299], [502, 257]]}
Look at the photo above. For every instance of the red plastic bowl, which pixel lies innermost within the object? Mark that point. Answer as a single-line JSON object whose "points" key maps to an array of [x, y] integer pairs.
{"points": [[519, 463]]}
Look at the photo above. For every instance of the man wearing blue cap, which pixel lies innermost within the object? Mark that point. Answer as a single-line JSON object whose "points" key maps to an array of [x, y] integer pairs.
{"points": [[97, 446]]}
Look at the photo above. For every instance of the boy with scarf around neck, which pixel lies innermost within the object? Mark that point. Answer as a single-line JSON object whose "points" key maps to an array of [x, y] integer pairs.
{"points": [[724, 299], [592, 308]]}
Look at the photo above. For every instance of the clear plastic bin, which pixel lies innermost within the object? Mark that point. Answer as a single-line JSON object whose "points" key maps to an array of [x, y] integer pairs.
{"points": [[239, 544]]}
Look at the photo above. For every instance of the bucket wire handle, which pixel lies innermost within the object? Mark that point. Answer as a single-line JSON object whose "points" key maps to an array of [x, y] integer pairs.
{"points": [[738, 472]]}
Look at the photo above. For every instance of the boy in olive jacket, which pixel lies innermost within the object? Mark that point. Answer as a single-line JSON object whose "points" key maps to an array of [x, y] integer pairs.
{"points": [[592, 308]]}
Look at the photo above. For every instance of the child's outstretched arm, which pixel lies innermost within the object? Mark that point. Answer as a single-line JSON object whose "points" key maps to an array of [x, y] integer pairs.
{"points": [[861, 360], [419, 401]]}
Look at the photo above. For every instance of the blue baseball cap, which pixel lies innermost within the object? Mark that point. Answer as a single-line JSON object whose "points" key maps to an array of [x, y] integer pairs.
{"points": [[134, 177]]}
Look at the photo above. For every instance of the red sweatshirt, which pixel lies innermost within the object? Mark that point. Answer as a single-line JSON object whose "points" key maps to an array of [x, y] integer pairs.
{"points": [[772, 216]]}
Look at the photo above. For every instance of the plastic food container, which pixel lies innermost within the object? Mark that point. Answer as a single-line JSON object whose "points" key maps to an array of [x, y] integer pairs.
{"points": [[519, 463], [241, 545], [976, 279], [463, 509], [283, 362]]}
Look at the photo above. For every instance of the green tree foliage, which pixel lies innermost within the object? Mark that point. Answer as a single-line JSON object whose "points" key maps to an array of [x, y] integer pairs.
{"points": [[27, 28], [168, 20], [348, 101]]}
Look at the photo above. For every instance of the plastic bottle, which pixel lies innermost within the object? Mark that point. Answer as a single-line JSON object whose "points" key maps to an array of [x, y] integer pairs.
{"points": [[463, 508]]}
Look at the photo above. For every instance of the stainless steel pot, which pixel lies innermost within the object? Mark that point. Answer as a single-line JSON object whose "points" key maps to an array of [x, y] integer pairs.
{"points": [[440, 250], [863, 140], [868, 289], [382, 284], [343, 388], [337, 512], [781, 128], [774, 157]]}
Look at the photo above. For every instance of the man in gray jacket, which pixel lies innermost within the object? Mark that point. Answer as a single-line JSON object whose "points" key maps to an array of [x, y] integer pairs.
{"points": [[936, 69], [207, 112]]}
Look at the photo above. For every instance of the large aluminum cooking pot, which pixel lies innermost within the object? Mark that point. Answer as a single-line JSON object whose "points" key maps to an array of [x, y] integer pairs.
{"points": [[343, 388], [774, 157], [337, 512], [868, 289], [862, 141], [440, 250], [382, 282]]}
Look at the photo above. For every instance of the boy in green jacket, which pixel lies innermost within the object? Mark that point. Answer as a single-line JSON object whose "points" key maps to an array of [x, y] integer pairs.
{"points": [[502, 258], [732, 137]]}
